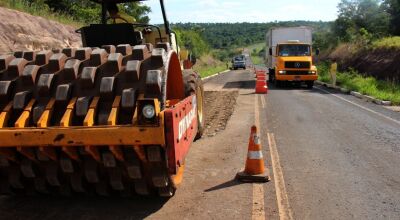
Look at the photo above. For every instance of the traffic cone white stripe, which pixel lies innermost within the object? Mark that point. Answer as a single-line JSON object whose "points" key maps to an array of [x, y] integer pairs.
{"points": [[255, 155], [256, 139]]}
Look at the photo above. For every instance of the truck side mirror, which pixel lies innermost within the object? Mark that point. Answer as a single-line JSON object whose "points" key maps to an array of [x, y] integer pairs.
{"points": [[270, 51], [317, 52]]}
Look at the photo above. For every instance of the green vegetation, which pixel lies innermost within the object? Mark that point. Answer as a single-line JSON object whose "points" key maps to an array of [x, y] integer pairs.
{"points": [[228, 36], [354, 81], [257, 60], [257, 47], [387, 42], [192, 40], [73, 12], [209, 70], [365, 27], [207, 65], [361, 22], [229, 39], [257, 53], [39, 8], [226, 55]]}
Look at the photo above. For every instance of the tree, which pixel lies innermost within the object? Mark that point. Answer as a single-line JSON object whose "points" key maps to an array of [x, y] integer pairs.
{"points": [[89, 12], [393, 8], [369, 15], [138, 11], [58, 5], [192, 41]]}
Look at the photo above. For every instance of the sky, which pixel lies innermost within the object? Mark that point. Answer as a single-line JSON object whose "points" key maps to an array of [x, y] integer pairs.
{"points": [[244, 10]]}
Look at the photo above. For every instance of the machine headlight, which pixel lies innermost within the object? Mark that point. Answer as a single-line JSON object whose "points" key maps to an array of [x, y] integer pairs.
{"points": [[149, 111], [282, 71], [312, 72]]}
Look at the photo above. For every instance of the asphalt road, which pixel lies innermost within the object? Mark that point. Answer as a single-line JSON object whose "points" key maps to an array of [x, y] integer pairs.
{"points": [[340, 156], [330, 156]]}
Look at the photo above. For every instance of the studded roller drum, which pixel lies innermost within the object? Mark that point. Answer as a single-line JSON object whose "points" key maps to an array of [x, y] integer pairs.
{"points": [[46, 97]]}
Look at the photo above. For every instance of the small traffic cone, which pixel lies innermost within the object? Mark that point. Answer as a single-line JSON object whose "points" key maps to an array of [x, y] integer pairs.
{"points": [[261, 87], [261, 77], [260, 72], [254, 170]]}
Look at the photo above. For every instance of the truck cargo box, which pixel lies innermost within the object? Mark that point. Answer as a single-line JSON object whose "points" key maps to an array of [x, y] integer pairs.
{"points": [[284, 34]]}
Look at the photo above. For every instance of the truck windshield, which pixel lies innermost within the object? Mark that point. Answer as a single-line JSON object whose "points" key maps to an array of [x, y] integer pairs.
{"points": [[239, 58], [286, 50]]}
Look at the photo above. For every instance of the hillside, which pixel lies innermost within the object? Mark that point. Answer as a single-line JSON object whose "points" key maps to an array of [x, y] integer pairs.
{"points": [[380, 62], [21, 31], [228, 35]]}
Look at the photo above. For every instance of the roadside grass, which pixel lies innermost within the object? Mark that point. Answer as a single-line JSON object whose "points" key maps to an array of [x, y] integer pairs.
{"points": [[257, 60], [208, 64], [254, 53], [210, 70], [354, 81], [39, 9], [258, 46], [387, 42]]}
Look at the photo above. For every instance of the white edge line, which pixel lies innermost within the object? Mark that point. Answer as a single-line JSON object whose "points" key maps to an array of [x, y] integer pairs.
{"points": [[216, 74], [262, 101], [360, 106]]}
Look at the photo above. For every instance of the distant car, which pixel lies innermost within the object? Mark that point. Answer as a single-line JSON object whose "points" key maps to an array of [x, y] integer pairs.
{"points": [[239, 62]]}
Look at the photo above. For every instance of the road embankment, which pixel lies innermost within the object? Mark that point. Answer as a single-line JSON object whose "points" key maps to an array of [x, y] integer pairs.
{"points": [[379, 62], [22, 31]]}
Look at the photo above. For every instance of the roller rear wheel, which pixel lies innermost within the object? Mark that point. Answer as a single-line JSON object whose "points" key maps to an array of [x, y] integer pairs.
{"points": [[194, 85]]}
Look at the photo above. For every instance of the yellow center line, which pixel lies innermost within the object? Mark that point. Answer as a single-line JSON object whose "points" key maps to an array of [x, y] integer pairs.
{"points": [[262, 101], [285, 212], [258, 211]]}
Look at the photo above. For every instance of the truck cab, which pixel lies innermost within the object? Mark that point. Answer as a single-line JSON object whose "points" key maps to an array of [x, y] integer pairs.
{"points": [[294, 63], [291, 60]]}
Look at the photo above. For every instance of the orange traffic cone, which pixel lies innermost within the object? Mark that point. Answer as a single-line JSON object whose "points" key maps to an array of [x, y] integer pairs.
{"points": [[261, 87], [261, 77], [254, 170], [260, 72]]}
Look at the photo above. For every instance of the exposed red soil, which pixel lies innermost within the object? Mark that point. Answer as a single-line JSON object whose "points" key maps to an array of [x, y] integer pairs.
{"points": [[20, 31], [383, 63]]}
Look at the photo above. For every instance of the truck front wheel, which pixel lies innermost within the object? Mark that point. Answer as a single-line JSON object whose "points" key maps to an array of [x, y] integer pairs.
{"points": [[271, 75], [310, 84]]}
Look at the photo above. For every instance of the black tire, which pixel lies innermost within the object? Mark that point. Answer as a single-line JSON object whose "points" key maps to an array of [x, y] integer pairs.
{"points": [[271, 75], [194, 85], [310, 84]]}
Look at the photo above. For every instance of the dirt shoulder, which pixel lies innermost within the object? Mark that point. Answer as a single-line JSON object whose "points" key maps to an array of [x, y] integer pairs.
{"points": [[219, 108]]}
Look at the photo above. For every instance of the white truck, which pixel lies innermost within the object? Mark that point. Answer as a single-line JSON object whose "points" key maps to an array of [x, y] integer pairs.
{"points": [[289, 55]]}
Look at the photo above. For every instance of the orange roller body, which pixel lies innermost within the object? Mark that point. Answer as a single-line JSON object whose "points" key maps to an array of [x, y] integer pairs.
{"points": [[117, 116]]}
